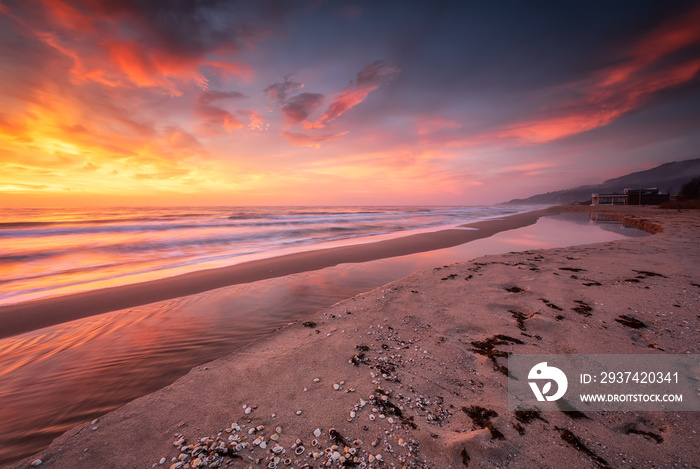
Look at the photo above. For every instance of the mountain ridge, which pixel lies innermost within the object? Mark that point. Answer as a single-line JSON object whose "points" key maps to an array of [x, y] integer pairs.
{"points": [[668, 176]]}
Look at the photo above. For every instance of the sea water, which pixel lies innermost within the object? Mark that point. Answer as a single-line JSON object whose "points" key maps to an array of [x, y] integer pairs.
{"points": [[50, 252]]}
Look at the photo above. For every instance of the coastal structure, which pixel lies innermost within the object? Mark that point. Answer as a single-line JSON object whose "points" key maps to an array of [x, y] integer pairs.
{"points": [[608, 199], [649, 196]]}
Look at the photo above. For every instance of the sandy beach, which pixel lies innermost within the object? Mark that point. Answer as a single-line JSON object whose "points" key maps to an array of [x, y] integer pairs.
{"points": [[410, 374]]}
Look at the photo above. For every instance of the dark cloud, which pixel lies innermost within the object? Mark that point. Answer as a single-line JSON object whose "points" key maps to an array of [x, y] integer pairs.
{"points": [[298, 108], [281, 90], [208, 96]]}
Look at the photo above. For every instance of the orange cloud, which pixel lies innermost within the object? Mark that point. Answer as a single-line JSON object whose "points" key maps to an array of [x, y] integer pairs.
{"points": [[617, 90]]}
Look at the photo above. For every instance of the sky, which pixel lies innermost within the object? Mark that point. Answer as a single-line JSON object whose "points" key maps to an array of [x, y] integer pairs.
{"points": [[124, 102]]}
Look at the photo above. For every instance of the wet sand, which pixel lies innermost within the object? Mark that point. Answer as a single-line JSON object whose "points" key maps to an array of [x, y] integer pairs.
{"points": [[32, 315], [409, 373]]}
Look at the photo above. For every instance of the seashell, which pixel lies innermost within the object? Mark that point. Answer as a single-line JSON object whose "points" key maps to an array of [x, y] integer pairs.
{"points": [[298, 412], [371, 416], [336, 386], [162, 461], [196, 462], [371, 458], [277, 449], [271, 465], [314, 442], [260, 428], [390, 420], [257, 441], [278, 429], [352, 414], [317, 433], [335, 456], [401, 442], [352, 450], [251, 431], [274, 437], [299, 450], [379, 457], [38, 462], [358, 442], [248, 410], [287, 461], [263, 444], [317, 380]]}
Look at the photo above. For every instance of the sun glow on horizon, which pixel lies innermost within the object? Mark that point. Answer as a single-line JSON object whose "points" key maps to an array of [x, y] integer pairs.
{"points": [[219, 104]]}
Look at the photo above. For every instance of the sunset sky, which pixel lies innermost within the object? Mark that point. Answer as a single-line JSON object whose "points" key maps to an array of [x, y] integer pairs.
{"points": [[120, 102]]}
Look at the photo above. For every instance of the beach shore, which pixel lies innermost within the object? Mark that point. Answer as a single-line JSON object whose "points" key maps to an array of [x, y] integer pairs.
{"points": [[32, 315], [408, 374]]}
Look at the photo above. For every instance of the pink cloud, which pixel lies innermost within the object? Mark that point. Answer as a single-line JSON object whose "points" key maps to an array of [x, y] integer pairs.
{"points": [[368, 79], [313, 141]]}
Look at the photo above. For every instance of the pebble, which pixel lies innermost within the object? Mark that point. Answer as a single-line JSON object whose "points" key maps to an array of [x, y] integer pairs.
{"points": [[37, 462], [298, 412], [317, 380], [248, 410], [336, 386], [317, 433], [162, 461]]}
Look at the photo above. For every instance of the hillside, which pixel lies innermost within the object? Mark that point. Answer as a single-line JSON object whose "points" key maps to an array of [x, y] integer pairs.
{"points": [[667, 176]]}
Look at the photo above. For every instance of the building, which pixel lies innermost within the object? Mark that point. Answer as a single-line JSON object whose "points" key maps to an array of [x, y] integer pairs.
{"points": [[608, 199], [649, 196]]}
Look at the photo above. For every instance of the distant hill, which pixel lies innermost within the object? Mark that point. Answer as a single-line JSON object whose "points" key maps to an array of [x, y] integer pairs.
{"points": [[667, 176]]}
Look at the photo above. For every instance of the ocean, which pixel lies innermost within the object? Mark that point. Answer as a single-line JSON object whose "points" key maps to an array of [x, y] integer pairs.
{"points": [[49, 252]]}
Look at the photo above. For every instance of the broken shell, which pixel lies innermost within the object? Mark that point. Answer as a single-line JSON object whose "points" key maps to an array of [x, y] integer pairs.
{"points": [[263, 445], [277, 449], [371, 458], [317, 433], [248, 410], [278, 429], [317, 380], [352, 414], [371, 416], [379, 457], [271, 465], [37, 462], [315, 455], [274, 437], [336, 386], [314, 442], [299, 450], [260, 428], [288, 461]]}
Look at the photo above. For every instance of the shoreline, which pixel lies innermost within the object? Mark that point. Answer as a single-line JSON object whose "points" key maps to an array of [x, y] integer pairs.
{"points": [[37, 314], [416, 341]]}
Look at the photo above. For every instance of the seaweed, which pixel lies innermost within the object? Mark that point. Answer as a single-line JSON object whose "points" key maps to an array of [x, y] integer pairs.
{"points": [[574, 441], [482, 419], [488, 348], [630, 321]]}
